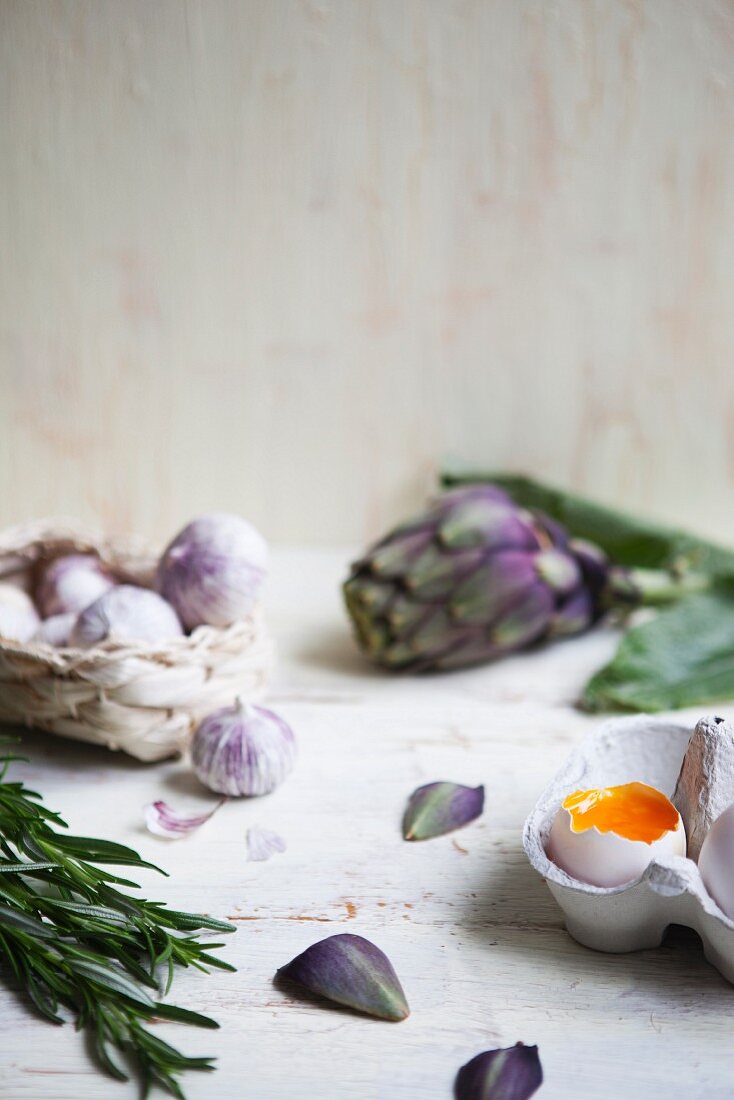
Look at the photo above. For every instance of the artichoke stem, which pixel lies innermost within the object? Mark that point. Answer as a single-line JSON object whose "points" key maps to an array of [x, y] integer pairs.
{"points": [[652, 587]]}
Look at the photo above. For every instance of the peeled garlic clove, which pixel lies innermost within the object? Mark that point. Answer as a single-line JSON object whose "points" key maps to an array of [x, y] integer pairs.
{"points": [[71, 583], [243, 750], [19, 619], [56, 630], [350, 970], [213, 570], [126, 614], [514, 1073], [439, 808]]}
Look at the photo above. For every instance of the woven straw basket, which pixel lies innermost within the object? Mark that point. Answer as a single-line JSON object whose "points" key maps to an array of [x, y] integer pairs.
{"points": [[144, 699]]}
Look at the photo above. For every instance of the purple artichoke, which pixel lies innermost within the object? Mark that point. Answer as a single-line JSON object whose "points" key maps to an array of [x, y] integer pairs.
{"points": [[473, 578]]}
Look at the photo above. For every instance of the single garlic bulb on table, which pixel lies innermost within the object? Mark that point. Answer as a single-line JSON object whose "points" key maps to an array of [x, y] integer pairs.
{"points": [[243, 750]]}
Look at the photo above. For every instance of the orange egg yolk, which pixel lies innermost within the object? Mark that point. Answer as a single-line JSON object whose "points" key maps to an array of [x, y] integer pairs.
{"points": [[634, 811]]}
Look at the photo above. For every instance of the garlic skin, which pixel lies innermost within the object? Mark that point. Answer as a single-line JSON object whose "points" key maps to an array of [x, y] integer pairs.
{"points": [[243, 750], [126, 614], [71, 583], [56, 630], [212, 572], [19, 619]]}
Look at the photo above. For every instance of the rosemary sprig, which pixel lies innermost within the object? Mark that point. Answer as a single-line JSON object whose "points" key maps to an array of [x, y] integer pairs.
{"points": [[72, 939]]}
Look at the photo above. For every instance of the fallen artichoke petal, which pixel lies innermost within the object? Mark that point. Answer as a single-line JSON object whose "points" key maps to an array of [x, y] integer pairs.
{"points": [[513, 1073], [439, 808], [351, 971]]}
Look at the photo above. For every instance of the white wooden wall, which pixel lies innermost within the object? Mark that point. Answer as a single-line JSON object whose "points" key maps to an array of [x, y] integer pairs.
{"points": [[280, 256]]}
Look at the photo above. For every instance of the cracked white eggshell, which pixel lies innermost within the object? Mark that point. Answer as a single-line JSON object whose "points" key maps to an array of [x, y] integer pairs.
{"points": [[670, 890], [606, 859]]}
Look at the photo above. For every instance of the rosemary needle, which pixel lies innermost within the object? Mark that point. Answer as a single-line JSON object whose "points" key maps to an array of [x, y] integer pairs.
{"points": [[73, 939]]}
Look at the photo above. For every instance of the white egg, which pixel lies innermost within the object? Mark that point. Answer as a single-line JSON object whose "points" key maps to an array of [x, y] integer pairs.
{"points": [[606, 858], [716, 862]]}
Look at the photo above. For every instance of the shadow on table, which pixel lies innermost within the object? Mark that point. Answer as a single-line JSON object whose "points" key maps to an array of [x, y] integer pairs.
{"points": [[44, 748], [516, 915], [335, 649]]}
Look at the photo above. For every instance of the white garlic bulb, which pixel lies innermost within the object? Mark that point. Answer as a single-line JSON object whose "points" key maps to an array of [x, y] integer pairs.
{"points": [[126, 614], [243, 750], [213, 570], [18, 616], [56, 630], [71, 583]]}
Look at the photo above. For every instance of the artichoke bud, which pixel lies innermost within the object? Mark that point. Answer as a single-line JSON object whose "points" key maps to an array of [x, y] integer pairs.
{"points": [[473, 578]]}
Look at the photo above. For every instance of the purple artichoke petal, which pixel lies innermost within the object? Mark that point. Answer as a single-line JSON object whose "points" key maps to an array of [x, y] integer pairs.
{"points": [[574, 615], [481, 491], [594, 566], [486, 523], [434, 573], [439, 808], [496, 585], [525, 621], [404, 614], [560, 571], [398, 655], [472, 650], [394, 558], [514, 1073], [369, 595], [552, 533], [435, 634], [351, 971]]}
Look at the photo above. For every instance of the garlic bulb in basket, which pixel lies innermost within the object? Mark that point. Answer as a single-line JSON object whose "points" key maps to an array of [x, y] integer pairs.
{"points": [[56, 629], [71, 583], [18, 617], [213, 570], [243, 750], [126, 614]]}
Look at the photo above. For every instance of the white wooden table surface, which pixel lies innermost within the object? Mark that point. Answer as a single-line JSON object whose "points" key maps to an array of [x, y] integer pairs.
{"points": [[473, 933]]}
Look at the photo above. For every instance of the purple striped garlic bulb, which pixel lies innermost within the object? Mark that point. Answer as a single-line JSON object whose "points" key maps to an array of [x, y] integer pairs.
{"points": [[213, 570], [71, 583], [243, 750], [126, 614], [19, 619]]}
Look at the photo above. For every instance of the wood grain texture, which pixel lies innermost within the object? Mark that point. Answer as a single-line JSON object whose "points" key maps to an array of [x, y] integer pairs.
{"points": [[472, 931], [280, 256]]}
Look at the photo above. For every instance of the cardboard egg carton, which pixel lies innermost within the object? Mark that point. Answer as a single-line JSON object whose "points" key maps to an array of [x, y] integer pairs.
{"points": [[696, 770]]}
